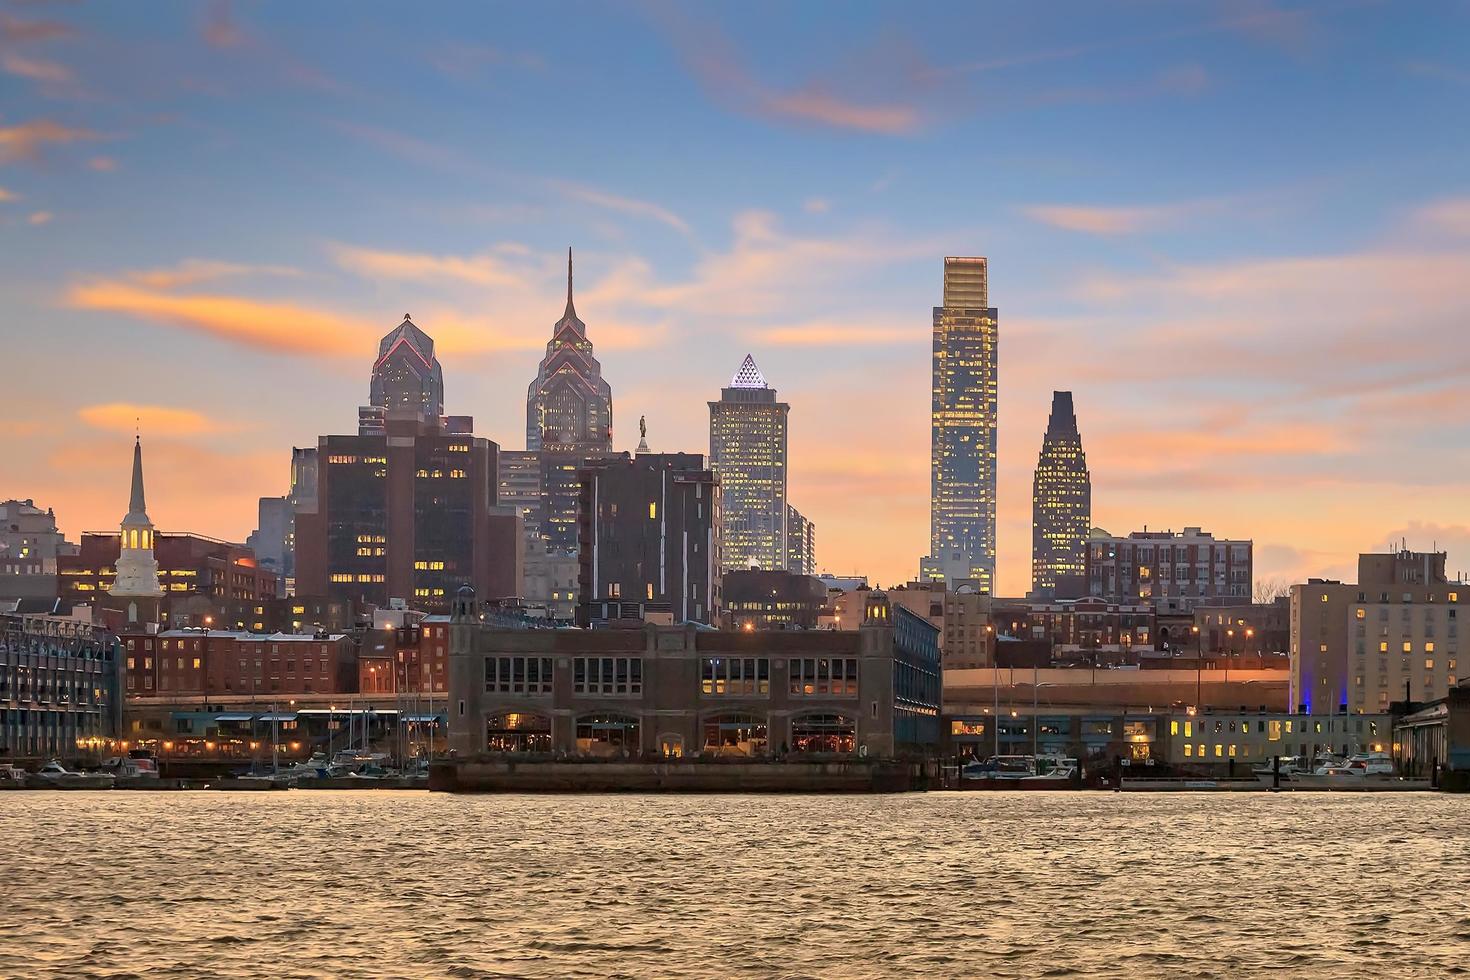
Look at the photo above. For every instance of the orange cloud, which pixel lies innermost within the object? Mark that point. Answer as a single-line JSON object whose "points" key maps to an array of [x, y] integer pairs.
{"points": [[40, 217], [1450, 216], [156, 420], [102, 164], [285, 327], [14, 29], [36, 69], [1099, 220], [479, 270], [192, 271], [828, 109], [7, 196], [24, 142]]}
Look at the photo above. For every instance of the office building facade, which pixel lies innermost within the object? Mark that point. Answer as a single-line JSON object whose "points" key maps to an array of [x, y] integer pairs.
{"points": [[1394, 636], [747, 451], [801, 543], [60, 687], [963, 417], [1181, 570], [1061, 506], [649, 540], [569, 405]]}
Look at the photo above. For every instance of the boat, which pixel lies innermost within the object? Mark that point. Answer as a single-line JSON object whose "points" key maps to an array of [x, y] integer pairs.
{"points": [[138, 764], [12, 777], [1371, 764], [1000, 767], [53, 775], [1293, 766]]}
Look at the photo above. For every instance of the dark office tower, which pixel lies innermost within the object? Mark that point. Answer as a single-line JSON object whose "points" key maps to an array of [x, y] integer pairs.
{"points": [[407, 379], [569, 406], [649, 549], [406, 509], [963, 429], [1061, 506], [747, 450]]}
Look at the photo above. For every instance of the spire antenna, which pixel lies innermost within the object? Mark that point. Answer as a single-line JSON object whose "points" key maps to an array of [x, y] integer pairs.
{"points": [[571, 310]]}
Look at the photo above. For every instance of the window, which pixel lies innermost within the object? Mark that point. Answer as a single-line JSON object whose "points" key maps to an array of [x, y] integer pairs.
{"points": [[1188, 750], [736, 676], [823, 733], [823, 677], [518, 675], [1362, 613], [614, 590], [607, 675], [652, 510], [517, 731]]}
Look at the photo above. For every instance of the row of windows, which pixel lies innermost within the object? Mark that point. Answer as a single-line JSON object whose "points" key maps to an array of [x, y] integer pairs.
{"points": [[735, 676], [518, 675], [607, 675], [827, 675]]}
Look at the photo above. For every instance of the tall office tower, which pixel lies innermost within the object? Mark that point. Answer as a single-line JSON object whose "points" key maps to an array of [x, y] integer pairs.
{"points": [[408, 509], [747, 451], [650, 540], [569, 406], [136, 587], [407, 379], [801, 543], [963, 420], [1061, 507]]}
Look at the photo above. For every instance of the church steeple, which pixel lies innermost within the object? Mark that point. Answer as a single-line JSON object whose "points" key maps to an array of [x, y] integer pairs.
{"points": [[137, 505], [137, 569]]}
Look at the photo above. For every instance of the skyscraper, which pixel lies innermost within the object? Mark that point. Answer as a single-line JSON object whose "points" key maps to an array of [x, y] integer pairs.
{"points": [[747, 451], [136, 583], [1061, 506], [407, 379], [407, 508], [569, 406], [963, 421]]}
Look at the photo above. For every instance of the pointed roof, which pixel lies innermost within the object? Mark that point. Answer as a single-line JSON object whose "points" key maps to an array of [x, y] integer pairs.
{"points": [[137, 505], [749, 376]]}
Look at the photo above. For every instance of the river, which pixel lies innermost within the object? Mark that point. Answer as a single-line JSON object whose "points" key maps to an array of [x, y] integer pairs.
{"points": [[406, 884]]}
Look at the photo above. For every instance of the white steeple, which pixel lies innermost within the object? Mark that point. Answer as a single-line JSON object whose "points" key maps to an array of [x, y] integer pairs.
{"points": [[137, 569]]}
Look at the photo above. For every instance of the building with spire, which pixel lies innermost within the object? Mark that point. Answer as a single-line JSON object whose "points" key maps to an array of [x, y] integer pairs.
{"points": [[136, 586], [963, 429], [747, 451], [569, 405], [1061, 507]]}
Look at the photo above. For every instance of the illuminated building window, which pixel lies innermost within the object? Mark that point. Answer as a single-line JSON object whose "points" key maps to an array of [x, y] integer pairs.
{"points": [[652, 511], [1219, 750], [1188, 750]]}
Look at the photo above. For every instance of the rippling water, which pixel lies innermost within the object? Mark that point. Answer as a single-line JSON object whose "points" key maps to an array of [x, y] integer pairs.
{"points": [[382, 884]]}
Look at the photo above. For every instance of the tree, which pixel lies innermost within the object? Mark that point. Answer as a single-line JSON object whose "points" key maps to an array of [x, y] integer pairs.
{"points": [[1268, 590]]}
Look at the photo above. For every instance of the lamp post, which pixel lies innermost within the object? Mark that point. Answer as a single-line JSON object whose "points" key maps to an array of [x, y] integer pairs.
{"points": [[1199, 666], [995, 684], [204, 670]]}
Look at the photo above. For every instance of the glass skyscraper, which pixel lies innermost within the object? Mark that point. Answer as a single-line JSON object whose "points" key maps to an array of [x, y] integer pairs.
{"points": [[963, 429], [1061, 506], [747, 450], [569, 406]]}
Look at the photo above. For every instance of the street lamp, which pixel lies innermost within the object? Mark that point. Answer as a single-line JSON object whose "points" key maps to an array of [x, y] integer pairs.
{"points": [[1199, 666]]}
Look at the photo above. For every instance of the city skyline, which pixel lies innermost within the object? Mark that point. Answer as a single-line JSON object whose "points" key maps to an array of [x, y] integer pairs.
{"points": [[1275, 408]]}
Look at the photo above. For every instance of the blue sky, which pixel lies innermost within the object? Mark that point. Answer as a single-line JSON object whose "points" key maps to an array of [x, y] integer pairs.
{"points": [[1240, 232]]}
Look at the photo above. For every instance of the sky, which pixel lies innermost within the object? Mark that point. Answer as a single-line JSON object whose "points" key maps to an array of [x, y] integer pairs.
{"points": [[1239, 232]]}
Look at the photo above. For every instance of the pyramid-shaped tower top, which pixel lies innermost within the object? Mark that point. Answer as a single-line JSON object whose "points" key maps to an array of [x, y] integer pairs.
{"points": [[137, 505], [749, 376]]}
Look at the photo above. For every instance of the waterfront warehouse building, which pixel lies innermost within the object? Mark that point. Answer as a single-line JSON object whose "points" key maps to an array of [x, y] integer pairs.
{"points": [[963, 429], [747, 451], [680, 691]]}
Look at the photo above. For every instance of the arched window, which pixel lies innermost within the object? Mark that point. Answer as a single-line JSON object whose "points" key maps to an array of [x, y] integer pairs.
{"points": [[608, 735], [823, 733], [518, 731], [738, 734]]}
